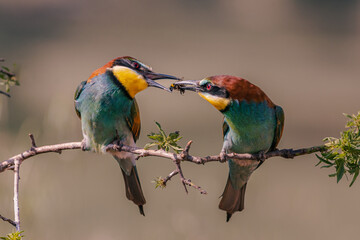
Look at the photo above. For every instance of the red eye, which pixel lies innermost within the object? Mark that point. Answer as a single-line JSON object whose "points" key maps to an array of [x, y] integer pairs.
{"points": [[208, 87], [136, 65]]}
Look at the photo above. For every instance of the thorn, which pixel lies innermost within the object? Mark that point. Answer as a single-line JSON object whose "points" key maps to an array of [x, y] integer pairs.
{"points": [[187, 192], [185, 153], [33, 144]]}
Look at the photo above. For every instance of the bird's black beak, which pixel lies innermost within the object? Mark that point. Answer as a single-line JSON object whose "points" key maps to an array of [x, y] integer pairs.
{"points": [[151, 76], [192, 85]]}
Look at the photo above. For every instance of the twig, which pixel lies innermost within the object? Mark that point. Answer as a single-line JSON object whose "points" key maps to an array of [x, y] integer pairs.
{"points": [[8, 220], [33, 144], [7, 164], [6, 94], [182, 178], [185, 152], [189, 183], [9, 74], [173, 173], [16, 194]]}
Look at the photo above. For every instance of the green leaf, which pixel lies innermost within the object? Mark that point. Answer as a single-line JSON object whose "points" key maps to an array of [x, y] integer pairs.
{"points": [[162, 141], [13, 236], [322, 160], [355, 176], [160, 129], [327, 166], [347, 115], [343, 153], [149, 145], [174, 135], [156, 137], [6, 68], [340, 171]]}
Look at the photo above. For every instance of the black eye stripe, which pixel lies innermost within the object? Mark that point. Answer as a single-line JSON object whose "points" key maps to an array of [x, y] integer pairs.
{"points": [[136, 65], [215, 90]]}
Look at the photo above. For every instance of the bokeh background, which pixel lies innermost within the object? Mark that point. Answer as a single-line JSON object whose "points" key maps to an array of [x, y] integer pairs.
{"points": [[304, 54]]}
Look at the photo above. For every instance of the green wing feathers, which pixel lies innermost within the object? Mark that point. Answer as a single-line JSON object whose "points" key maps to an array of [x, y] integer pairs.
{"points": [[279, 113], [225, 128], [79, 89], [133, 120]]}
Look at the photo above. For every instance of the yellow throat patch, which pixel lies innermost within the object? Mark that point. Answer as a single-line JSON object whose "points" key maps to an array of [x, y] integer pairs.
{"points": [[218, 102], [132, 81]]}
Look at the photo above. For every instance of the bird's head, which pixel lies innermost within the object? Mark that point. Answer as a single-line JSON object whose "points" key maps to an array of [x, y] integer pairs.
{"points": [[221, 90], [133, 75]]}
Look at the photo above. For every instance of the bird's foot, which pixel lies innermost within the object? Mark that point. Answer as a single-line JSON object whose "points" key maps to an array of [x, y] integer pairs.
{"points": [[117, 140], [84, 147], [262, 156], [222, 156]]}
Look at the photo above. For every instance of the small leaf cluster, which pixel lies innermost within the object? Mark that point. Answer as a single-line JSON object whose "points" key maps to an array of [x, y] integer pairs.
{"points": [[344, 153], [164, 141], [159, 182], [13, 236], [8, 78]]}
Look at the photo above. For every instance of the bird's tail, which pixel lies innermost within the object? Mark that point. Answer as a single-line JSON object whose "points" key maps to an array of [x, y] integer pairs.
{"points": [[232, 199], [133, 189]]}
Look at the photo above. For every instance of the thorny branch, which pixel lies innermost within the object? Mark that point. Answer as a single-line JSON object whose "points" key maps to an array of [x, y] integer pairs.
{"points": [[14, 162], [8, 220]]}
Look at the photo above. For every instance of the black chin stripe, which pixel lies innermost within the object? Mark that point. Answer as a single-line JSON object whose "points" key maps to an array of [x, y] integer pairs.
{"points": [[118, 83], [225, 109]]}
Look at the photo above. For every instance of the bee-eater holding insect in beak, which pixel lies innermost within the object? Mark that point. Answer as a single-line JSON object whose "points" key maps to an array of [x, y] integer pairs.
{"points": [[252, 124], [106, 105]]}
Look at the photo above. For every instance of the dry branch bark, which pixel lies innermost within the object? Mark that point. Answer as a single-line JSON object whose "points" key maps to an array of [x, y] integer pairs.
{"points": [[14, 162], [57, 148]]}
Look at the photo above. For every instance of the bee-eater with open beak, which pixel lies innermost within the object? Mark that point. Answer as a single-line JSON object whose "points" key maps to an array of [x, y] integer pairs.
{"points": [[252, 124], [109, 113]]}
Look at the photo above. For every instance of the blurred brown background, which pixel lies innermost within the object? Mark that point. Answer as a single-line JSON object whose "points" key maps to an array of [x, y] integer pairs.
{"points": [[304, 54]]}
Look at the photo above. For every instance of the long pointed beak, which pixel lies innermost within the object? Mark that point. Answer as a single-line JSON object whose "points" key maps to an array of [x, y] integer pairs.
{"points": [[191, 85], [152, 83], [151, 76], [156, 76]]}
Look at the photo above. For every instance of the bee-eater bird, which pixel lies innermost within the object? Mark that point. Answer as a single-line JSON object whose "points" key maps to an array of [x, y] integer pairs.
{"points": [[106, 105], [252, 124]]}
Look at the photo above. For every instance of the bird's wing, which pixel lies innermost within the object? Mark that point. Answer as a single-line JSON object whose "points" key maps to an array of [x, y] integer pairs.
{"points": [[279, 113], [78, 91], [133, 120], [225, 128]]}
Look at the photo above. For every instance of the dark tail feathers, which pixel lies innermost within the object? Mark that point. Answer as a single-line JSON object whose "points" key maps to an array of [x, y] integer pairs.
{"points": [[133, 189], [232, 199]]}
